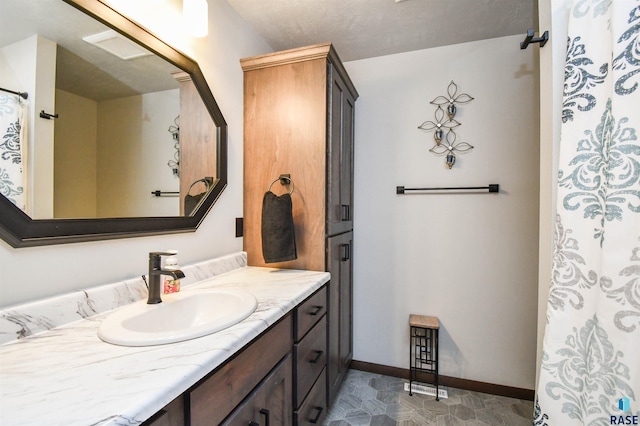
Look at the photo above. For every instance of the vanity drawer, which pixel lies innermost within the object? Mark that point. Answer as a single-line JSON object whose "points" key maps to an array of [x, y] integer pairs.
{"points": [[314, 409], [310, 357], [309, 312], [216, 396]]}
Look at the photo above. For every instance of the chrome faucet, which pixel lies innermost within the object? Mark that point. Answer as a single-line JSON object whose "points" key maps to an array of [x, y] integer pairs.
{"points": [[155, 272]]}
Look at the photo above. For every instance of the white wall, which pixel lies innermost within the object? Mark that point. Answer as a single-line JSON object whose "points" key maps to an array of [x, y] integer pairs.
{"points": [[134, 145], [33, 273], [115, 152], [75, 177], [469, 259]]}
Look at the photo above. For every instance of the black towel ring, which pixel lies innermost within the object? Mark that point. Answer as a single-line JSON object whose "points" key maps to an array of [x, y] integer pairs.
{"points": [[282, 179]]}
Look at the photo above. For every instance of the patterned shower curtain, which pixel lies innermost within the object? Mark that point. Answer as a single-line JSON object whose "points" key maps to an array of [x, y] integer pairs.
{"points": [[13, 149], [590, 372]]}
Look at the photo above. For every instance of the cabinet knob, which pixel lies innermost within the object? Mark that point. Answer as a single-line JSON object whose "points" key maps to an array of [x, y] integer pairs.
{"points": [[265, 413], [316, 310], [317, 417], [317, 358], [346, 252], [345, 210]]}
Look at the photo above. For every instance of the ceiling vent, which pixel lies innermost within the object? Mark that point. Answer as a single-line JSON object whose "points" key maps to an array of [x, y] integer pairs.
{"points": [[117, 44]]}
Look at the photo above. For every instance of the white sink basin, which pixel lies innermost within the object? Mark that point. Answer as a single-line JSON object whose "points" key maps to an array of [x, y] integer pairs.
{"points": [[180, 316]]}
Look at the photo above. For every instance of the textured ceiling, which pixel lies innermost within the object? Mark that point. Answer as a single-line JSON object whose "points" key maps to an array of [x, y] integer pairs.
{"points": [[367, 28], [358, 29]]}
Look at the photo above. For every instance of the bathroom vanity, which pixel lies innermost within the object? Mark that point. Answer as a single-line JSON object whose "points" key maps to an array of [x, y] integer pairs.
{"points": [[268, 381], [270, 367]]}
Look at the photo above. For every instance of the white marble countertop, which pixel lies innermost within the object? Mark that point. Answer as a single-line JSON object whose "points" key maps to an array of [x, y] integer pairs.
{"points": [[68, 376]]}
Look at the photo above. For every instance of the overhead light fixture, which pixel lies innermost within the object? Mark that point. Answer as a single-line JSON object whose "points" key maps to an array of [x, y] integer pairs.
{"points": [[117, 44], [196, 17]]}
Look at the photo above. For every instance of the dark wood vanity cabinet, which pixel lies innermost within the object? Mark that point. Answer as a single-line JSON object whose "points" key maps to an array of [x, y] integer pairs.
{"points": [[279, 379], [256, 377], [253, 386]]}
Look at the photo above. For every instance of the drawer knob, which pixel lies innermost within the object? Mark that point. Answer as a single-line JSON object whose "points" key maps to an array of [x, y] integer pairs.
{"points": [[265, 413], [317, 417], [317, 358], [346, 252], [345, 212], [316, 310]]}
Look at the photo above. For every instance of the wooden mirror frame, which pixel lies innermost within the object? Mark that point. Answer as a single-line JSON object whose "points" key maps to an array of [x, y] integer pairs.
{"points": [[19, 230]]}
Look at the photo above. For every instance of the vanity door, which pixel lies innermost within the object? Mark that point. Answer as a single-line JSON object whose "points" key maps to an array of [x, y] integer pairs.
{"points": [[171, 415], [270, 403], [339, 263]]}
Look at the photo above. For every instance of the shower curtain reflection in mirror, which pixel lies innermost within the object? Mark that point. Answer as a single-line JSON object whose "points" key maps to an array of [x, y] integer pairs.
{"points": [[12, 149]]}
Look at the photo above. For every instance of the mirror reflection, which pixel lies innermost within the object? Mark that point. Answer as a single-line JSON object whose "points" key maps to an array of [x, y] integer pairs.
{"points": [[108, 129]]}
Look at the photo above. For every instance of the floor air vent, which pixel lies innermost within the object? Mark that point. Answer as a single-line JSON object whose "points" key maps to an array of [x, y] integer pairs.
{"points": [[426, 390]]}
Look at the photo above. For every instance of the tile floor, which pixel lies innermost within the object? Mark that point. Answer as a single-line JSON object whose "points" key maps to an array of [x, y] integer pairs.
{"points": [[373, 399]]}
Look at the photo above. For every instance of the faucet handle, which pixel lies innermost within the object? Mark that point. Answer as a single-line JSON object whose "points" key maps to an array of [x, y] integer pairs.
{"points": [[155, 259], [160, 253]]}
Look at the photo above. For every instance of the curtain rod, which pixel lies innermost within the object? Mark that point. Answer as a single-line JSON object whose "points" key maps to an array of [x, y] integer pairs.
{"points": [[494, 187], [23, 95]]}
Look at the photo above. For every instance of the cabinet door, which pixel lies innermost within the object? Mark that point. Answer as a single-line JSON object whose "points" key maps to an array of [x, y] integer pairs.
{"points": [[219, 394], [340, 156], [270, 403], [339, 263], [278, 396]]}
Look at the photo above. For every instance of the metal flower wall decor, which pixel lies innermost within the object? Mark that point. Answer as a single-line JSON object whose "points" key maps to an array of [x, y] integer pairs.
{"points": [[445, 144]]}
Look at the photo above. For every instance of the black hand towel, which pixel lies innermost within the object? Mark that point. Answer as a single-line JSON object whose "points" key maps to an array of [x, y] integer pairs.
{"points": [[191, 202], [278, 235]]}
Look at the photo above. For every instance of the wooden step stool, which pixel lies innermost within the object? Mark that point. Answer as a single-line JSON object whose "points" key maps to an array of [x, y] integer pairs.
{"points": [[423, 351]]}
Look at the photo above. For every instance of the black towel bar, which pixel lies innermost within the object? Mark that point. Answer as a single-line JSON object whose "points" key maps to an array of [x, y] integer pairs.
{"points": [[494, 187], [47, 115], [159, 193]]}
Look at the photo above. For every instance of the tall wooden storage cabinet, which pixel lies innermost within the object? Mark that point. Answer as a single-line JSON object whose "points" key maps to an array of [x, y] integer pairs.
{"points": [[198, 140], [299, 120]]}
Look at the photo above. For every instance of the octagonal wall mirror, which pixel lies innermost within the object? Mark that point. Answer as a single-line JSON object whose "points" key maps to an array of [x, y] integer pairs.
{"points": [[123, 136]]}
